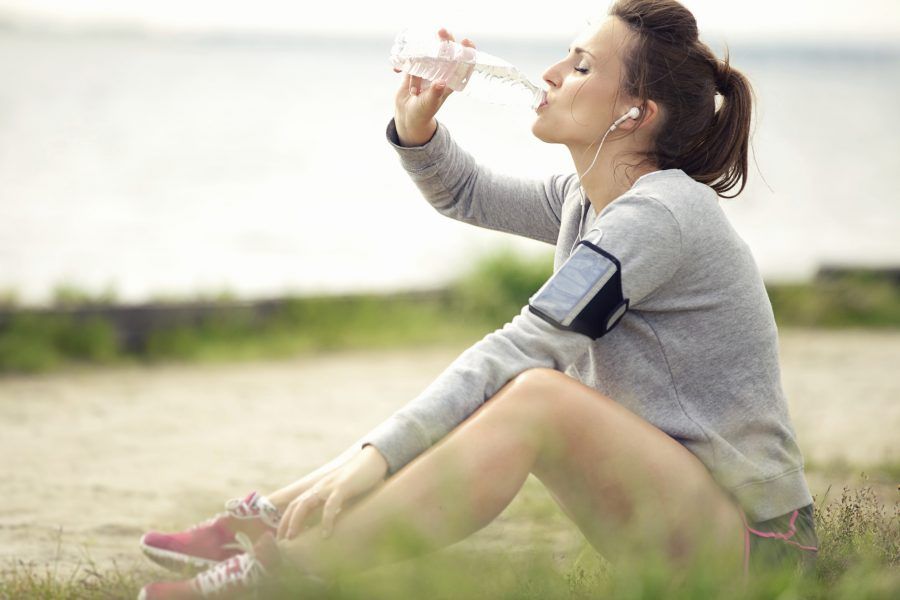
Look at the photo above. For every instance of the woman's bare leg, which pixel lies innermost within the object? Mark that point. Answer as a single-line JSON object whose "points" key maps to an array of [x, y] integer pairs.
{"points": [[450, 491], [629, 487], [635, 492]]}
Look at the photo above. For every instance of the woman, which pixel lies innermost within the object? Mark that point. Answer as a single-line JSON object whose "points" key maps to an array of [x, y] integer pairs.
{"points": [[640, 384]]}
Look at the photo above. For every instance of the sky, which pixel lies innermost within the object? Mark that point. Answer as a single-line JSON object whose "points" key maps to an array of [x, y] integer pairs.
{"points": [[861, 21]]}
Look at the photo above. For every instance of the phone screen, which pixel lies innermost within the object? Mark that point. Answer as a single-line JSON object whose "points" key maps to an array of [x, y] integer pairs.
{"points": [[575, 284]]}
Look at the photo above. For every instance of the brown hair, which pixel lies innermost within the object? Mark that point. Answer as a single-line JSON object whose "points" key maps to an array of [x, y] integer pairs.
{"points": [[668, 63]]}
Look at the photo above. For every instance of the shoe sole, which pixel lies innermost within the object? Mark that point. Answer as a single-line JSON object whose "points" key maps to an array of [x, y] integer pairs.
{"points": [[175, 561]]}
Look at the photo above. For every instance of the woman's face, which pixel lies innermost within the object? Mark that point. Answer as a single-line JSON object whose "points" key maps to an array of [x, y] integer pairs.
{"points": [[583, 86]]}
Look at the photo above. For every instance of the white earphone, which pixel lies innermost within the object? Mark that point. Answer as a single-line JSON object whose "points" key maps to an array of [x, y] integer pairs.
{"points": [[633, 113]]}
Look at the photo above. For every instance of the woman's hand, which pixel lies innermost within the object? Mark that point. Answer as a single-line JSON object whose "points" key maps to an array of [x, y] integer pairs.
{"points": [[415, 109], [359, 475]]}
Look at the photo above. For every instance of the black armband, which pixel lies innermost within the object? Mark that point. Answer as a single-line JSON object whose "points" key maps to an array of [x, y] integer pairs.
{"points": [[585, 294]]}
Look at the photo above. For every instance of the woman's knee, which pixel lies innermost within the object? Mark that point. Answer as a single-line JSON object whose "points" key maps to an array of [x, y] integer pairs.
{"points": [[529, 392], [529, 400], [547, 386], [557, 402], [537, 378]]}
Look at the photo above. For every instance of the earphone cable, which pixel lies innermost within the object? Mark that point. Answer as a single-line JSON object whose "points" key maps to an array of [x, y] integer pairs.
{"points": [[581, 188]]}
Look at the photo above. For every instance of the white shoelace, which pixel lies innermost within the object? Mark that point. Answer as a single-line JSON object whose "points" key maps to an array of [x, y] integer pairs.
{"points": [[242, 570], [240, 508]]}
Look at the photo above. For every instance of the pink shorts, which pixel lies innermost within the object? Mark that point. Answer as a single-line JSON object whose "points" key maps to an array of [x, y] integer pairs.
{"points": [[789, 538]]}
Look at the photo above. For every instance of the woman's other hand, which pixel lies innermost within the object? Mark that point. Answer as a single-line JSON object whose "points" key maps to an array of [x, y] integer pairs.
{"points": [[359, 475], [415, 108]]}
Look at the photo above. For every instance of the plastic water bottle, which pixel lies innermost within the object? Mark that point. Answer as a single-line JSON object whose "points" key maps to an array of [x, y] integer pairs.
{"points": [[467, 70]]}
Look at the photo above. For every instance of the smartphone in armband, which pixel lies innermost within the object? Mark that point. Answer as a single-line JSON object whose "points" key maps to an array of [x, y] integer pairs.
{"points": [[585, 293]]}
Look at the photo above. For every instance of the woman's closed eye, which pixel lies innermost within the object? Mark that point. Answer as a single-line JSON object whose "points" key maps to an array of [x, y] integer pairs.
{"points": [[581, 69]]}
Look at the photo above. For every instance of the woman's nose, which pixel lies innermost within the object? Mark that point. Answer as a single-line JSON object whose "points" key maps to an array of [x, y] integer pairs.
{"points": [[549, 77]]}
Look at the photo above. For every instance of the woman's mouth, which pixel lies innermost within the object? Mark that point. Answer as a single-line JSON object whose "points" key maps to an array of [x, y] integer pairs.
{"points": [[542, 94]]}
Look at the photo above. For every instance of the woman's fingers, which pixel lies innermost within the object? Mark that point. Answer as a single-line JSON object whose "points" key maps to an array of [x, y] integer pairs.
{"points": [[281, 532], [305, 504], [299, 510], [329, 512], [407, 81], [446, 35], [415, 85]]}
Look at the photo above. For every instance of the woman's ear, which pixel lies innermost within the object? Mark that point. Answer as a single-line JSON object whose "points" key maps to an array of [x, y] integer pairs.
{"points": [[650, 112]]}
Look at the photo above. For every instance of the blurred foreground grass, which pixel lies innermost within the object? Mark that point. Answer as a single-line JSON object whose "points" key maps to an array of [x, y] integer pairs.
{"points": [[490, 295], [859, 556]]}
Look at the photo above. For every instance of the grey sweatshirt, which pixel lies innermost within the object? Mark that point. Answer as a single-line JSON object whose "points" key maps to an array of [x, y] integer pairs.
{"points": [[696, 354]]}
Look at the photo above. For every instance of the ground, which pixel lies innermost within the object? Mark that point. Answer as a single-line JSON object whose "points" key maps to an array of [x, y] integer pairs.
{"points": [[95, 457]]}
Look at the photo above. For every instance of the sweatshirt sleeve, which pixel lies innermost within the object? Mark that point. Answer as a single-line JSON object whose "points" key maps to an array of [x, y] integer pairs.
{"points": [[646, 239], [458, 187], [475, 376]]}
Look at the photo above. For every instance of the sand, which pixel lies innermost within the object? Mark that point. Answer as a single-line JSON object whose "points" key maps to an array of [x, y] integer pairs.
{"points": [[95, 457]]}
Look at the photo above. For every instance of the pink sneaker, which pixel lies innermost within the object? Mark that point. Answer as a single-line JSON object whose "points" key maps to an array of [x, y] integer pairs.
{"points": [[230, 578], [213, 541]]}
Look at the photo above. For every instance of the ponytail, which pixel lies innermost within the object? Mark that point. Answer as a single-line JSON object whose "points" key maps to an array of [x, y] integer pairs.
{"points": [[725, 146], [668, 63]]}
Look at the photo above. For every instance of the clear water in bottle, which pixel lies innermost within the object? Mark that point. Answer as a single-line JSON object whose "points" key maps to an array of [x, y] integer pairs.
{"points": [[467, 70]]}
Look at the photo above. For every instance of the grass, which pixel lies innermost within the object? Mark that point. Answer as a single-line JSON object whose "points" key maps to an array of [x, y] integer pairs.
{"points": [[487, 297], [39, 342], [859, 541], [853, 299]]}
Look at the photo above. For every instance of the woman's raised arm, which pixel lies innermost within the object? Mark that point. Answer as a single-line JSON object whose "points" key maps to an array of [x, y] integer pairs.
{"points": [[454, 183], [460, 188]]}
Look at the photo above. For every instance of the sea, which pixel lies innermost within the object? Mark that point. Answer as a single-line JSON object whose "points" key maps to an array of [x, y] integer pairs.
{"points": [[153, 166]]}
